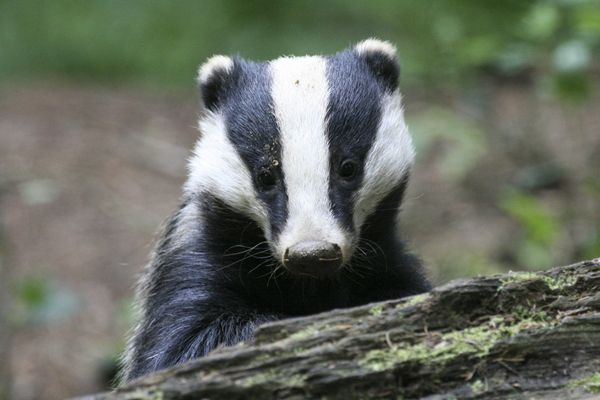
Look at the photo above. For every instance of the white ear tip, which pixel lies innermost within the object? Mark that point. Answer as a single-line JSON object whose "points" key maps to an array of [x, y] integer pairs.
{"points": [[373, 45], [213, 64]]}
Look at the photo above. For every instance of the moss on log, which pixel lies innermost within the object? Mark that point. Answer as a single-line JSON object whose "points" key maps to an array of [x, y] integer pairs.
{"points": [[518, 335]]}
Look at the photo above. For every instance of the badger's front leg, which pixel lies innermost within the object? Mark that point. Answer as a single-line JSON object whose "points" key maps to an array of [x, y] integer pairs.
{"points": [[217, 327], [179, 332]]}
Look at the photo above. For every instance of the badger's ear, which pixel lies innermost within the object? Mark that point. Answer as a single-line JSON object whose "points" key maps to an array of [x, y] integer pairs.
{"points": [[213, 78], [382, 59]]}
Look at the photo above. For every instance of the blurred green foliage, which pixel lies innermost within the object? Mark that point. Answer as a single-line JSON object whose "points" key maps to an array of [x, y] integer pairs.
{"points": [[442, 42], [592, 248], [536, 247], [460, 264], [38, 300], [463, 140], [539, 225]]}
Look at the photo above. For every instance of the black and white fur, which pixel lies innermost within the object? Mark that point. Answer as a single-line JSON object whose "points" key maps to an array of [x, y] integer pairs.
{"points": [[220, 269]]}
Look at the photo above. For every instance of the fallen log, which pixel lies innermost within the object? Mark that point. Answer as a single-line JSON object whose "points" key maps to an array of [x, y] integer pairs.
{"points": [[518, 335]]}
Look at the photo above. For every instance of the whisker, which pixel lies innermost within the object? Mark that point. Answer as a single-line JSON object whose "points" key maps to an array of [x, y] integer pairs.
{"points": [[248, 248], [275, 275], [248, 255], [377, 249], [259, 265]]}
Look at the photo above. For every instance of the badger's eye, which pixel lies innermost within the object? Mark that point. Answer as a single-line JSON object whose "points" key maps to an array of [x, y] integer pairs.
{"points": [[348, 169], [266, 179]]}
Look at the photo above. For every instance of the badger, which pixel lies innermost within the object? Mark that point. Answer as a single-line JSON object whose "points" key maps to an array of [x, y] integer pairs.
{"points": [[290, 207]]}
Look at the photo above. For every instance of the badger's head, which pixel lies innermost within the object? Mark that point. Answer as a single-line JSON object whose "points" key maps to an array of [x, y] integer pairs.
{"points": [[307, 147]]}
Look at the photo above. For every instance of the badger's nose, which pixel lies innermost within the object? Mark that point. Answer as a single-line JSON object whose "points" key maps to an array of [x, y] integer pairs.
{"points": [[313, 257]]}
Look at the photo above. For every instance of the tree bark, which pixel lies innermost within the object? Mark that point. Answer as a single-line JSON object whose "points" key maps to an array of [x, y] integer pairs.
{"points": [[518, 335]]}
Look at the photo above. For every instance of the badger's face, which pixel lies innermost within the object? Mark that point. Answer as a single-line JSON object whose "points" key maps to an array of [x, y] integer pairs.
{"points": [[307, 147]]}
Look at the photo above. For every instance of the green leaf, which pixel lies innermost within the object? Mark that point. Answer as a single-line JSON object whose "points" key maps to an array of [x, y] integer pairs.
{"points": [[587, 19], [575, 87], [542, 21], [592, 247], [38, 301], [541, 227]]}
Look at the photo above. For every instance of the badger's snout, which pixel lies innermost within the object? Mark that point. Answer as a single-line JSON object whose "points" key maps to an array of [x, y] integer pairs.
{"points": [[313, 257]]}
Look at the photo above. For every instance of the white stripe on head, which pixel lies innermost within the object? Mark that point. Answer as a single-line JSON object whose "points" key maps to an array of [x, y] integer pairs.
{"points": [[389, 159], [300, 97], [217, 169]]}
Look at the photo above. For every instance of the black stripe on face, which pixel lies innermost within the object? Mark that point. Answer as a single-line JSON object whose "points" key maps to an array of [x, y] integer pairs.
{"points": [[353, 115], [252, 128]]}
